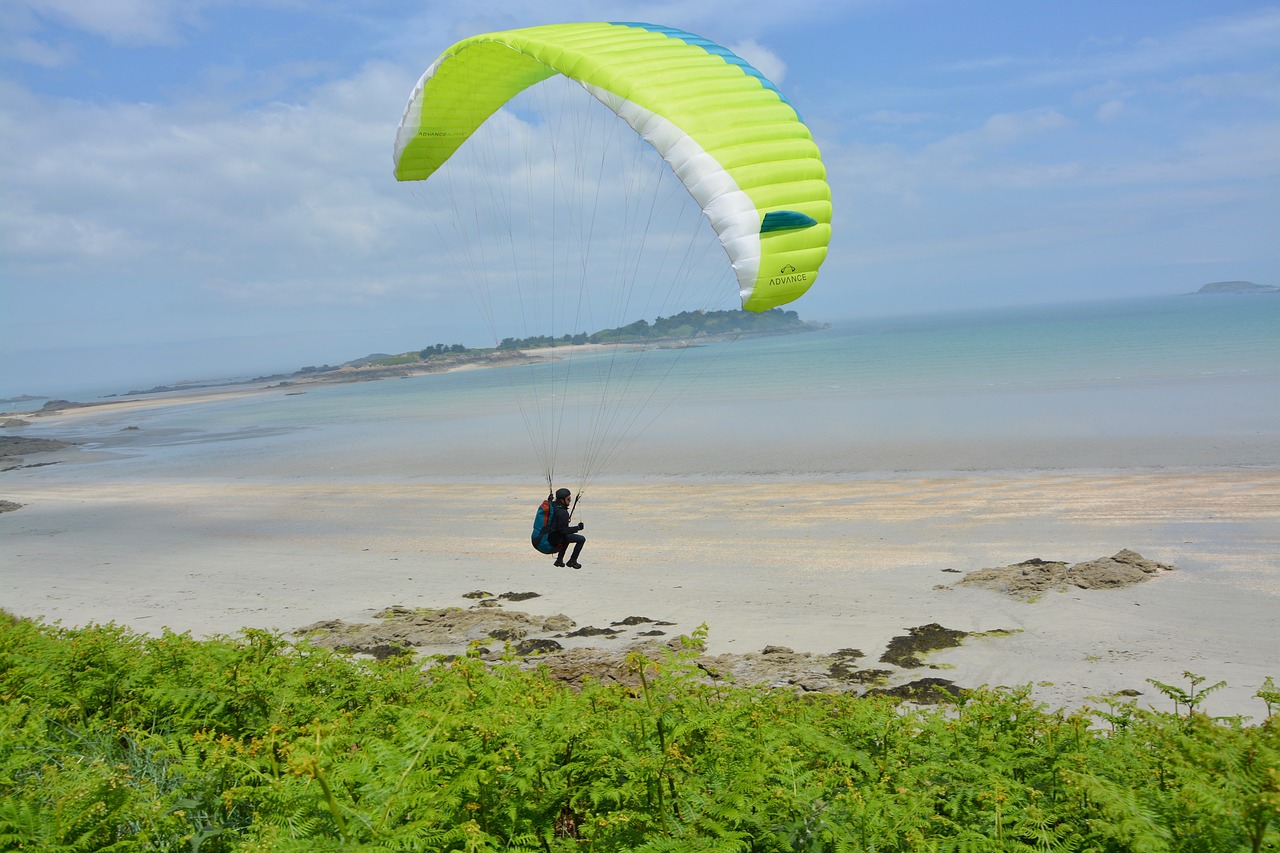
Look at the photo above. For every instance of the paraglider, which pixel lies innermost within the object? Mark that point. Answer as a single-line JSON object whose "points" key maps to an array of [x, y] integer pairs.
{"points": [[732, 138], [728, 136]]}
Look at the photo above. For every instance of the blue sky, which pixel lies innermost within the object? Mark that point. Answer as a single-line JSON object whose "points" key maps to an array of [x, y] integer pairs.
{"points": [[196, 189]]}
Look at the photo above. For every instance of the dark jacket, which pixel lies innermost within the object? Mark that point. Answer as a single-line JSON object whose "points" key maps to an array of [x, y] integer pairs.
{"points": [[560, 529]]}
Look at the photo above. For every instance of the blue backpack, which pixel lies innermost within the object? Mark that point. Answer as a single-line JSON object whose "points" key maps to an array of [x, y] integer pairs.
{"points": [[542, 528]]}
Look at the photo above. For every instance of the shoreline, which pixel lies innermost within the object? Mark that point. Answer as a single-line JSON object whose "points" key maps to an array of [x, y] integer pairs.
{"points": [[234, 390], [287, 383], [809, 566], [299, 381]]}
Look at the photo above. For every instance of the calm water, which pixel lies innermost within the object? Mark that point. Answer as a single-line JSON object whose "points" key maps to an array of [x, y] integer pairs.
{"points": [[1180, 381]]}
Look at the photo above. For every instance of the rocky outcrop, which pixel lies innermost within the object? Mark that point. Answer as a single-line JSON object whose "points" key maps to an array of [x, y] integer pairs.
{"points": [[15, 448], [576, 655], [449, 628], [1033, 577]]}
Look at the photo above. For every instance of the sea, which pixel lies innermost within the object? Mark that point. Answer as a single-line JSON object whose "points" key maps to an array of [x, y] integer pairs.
{"points": [[1159, 382]]}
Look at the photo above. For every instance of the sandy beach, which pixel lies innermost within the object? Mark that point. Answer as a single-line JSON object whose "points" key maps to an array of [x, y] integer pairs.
{"points": [[810, 564]]}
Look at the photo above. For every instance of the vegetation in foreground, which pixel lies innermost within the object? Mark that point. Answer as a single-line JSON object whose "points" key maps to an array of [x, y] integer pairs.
{"points": [[110, 740]]}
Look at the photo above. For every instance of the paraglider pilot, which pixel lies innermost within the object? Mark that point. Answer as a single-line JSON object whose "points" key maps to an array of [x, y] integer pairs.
{"points": [[562, 535]]}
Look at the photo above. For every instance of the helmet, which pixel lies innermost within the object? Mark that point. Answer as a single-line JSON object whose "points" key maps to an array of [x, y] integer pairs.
{"points": [[561, 494]]}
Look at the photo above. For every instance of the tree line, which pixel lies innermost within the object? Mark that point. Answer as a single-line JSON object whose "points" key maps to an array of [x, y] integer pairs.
{"points": [[686, 325], [682, 326]]}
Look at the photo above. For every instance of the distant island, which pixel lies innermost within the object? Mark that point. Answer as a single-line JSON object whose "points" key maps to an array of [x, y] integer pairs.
{"points": [[685, 326], [688, 328], [1237, 287]]}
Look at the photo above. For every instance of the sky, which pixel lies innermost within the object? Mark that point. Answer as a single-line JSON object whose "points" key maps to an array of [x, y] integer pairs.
{"points": [[202, 188]]}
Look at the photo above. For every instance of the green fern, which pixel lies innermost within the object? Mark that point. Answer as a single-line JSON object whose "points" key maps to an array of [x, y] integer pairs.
{"points": [[253, 743]]}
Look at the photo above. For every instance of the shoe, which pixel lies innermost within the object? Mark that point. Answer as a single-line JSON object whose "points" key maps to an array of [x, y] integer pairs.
{"points": [[559, 564], [573, 564]]}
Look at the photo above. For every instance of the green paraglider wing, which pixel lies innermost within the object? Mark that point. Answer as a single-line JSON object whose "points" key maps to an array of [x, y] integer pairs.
{"points": [[739, 148]]}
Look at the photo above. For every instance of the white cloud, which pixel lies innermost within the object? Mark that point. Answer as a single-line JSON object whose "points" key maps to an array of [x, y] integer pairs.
{"points": [[1010, 128], [1207, 41], [984, 64], [31, 51], [1263, 86], [1227, 37], [894, 117], [1103, 92], [1110, 111], [1248, 153], [132, 22], [999, 132], [170, 192], [765, 60], [59, 239]]}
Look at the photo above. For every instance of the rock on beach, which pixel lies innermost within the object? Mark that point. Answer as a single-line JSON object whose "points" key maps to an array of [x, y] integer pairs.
{"points": [[1030, 578]]}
